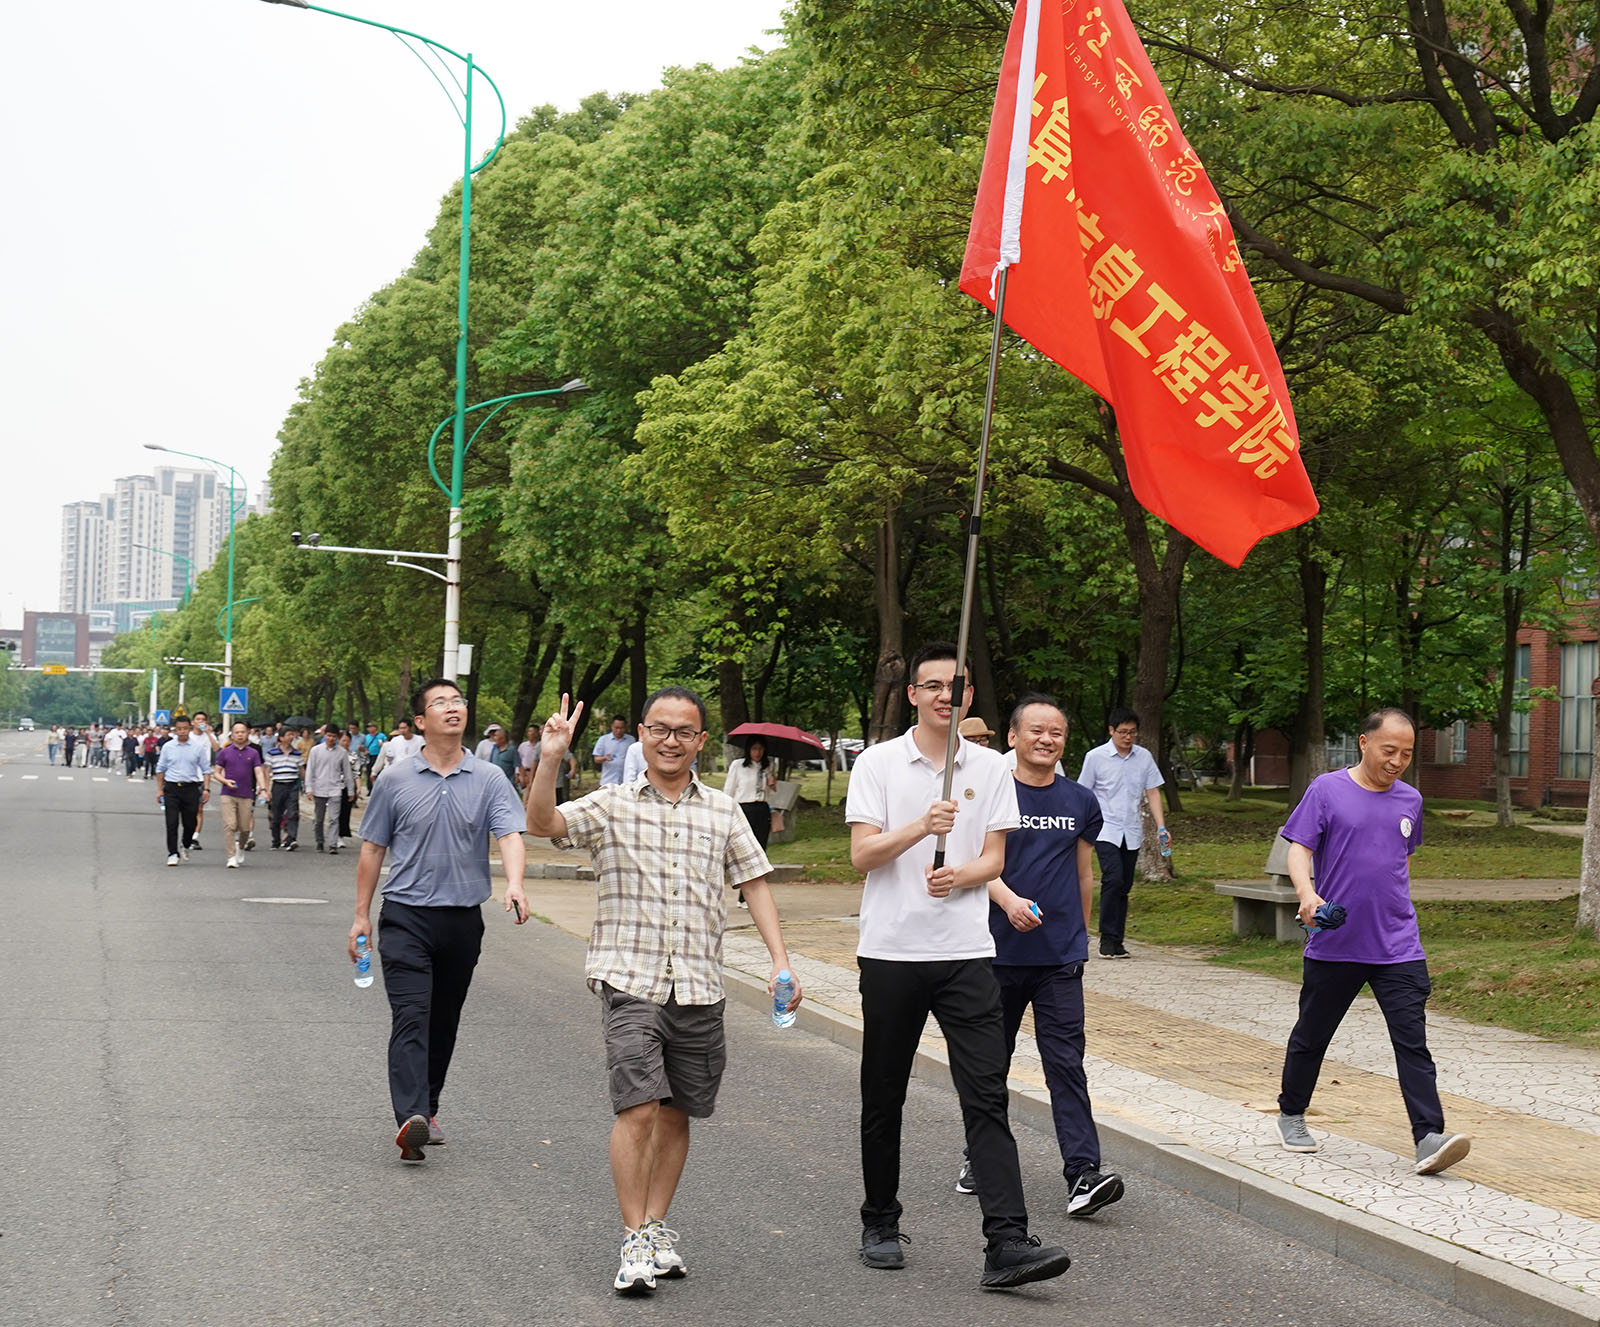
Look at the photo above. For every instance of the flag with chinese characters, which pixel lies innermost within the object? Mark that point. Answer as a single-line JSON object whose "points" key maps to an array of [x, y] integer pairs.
{"points": [[1121, 267]]}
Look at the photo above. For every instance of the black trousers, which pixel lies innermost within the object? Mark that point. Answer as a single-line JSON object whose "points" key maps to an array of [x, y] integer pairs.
{"points": [[759, 814], [345, 803], [1056, 994], [283, 812], [428, 955], [1118, 862], [896, 999], [1326, 993], [182, 805]]}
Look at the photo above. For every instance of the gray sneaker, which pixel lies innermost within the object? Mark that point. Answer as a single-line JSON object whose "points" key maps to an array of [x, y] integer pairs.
{"points": [[1440, 1151], [1296, 1138]]}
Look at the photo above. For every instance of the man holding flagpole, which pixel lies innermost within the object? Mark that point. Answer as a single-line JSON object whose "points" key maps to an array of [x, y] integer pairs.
{"points": [[926, 948]]}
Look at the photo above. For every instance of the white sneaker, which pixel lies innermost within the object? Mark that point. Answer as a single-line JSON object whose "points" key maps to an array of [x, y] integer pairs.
{"points": [[184, 853], [668, 1261], [172, 859], [638, 1271], [233, 863]]}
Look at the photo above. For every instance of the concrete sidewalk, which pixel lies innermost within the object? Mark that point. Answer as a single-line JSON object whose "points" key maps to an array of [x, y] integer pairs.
{"points": [[1184, 1058]]}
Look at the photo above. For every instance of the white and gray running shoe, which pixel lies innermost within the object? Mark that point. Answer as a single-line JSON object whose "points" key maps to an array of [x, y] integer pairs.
{"points": [[638, 1271], [669, 1262], [1296, 1137]]}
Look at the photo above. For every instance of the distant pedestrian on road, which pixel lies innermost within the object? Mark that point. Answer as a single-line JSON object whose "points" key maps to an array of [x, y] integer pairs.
{"points": [[150, 746], [1039, 917], [435, 812], [243, 777], [750, 781], [610, 750], [1356, 829], [406, 741], [328, 779], [501, 754], [372, 744], [976, 731], [69, 741], [566, 772], [183, 774], [665, 850], [926, 948], [54, 744], [353, 752], [283, 811], [1120, 774]]}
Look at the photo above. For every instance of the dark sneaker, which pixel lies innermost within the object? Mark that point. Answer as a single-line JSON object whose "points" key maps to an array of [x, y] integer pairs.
{"points": [[1089, 1191], [290, 846], [435, 1133], [1114, 951], [411, 1139], [1019, 1261], [197, 846], [1440, 1151], [966, 1181], [880, 1248]]}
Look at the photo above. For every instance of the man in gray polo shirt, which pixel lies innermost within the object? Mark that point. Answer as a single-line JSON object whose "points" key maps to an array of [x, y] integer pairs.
{"points": [[435, 810]]}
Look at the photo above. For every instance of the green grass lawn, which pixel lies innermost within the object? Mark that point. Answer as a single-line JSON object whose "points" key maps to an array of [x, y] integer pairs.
{"points": [[1516, 965]]}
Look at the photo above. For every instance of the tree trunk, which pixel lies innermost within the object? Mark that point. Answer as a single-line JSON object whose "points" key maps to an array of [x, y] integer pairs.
{"points": [[536, 665], [638, 677], [763, 679], [1309, 755], [402, 705], [889, 677], [1243, 747], [362, 701], [1510, 624], [473, 724], [730, 694], [985, 696], [594, 682]]}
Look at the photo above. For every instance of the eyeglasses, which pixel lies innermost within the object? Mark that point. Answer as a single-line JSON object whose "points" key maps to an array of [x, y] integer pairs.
{"points": [[661, 732], [447, 703], [931, 689]]}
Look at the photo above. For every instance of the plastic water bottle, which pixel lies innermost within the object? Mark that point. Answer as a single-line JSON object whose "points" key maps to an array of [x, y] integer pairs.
{"points": [[782, 993], [1165, 840], [363, 963]]}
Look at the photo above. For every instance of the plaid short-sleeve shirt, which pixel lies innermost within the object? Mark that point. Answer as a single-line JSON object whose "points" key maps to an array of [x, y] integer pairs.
{"points": [[662, 872]]}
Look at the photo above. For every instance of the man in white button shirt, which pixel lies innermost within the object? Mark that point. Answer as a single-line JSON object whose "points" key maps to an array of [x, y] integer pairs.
{"points": [[926, 948], [1119, 774]]}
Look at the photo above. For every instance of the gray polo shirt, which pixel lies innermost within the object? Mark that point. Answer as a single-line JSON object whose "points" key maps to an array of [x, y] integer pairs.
{"points": [[436, 828]]}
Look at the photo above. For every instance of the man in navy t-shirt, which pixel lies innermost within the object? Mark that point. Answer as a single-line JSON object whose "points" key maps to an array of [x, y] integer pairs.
{"points": [[1039, 917], [1358, 828]]}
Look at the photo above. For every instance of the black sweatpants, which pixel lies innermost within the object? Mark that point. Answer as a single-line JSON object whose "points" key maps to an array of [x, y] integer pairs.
{"points": [[182, 805], [1056, 994], [1326, 993], [1118, 864], [283, 811], [428, 955], [896, 999]]}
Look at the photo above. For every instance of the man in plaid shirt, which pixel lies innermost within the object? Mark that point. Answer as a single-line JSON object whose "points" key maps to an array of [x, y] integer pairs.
{"points": [[666, 851]]}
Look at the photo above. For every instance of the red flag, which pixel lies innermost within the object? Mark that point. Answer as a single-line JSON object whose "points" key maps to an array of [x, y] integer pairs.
{"points": [[1123, 269]]}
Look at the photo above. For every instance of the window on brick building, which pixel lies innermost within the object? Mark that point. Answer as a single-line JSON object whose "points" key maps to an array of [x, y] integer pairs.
{"points": [[1343, 751], [1450, 744], [1521, 720], [1578, 659]]}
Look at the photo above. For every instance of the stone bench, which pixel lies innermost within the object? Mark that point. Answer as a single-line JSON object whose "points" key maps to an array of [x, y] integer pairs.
{"points": [[1270, 906]]}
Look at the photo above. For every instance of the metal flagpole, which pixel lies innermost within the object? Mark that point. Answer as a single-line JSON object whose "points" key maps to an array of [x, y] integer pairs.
{"points": [[974, 527]]}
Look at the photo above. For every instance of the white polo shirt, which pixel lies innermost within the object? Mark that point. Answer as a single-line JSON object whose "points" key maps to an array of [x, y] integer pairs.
{"points": [[892, 784]]}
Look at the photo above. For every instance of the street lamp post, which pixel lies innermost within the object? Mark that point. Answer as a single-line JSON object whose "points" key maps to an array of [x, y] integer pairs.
{"points": [[235, 506], [188, 579], [452, 614]]}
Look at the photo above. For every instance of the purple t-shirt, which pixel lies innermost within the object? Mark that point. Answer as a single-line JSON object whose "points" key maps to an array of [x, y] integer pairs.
{"points": [[1360, 844], [240, 765]]}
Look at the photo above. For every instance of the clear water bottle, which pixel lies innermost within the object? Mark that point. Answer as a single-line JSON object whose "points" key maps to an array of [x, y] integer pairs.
{"points": [[363, 963], [782, 993], [1165, 840]]}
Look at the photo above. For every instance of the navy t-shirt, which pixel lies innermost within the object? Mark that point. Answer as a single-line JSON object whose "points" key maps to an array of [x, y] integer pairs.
{"points": [[1042, 864]]}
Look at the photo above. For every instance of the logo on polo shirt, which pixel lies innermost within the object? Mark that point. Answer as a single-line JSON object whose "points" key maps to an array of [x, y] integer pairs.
{"points": [[1405, 826], [969, 794]]}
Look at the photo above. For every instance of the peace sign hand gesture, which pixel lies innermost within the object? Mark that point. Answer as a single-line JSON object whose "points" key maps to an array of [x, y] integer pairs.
{"points": [[556, 736]]}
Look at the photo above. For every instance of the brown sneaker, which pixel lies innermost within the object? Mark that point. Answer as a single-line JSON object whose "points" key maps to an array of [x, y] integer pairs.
{"points": [[411, 1139]]}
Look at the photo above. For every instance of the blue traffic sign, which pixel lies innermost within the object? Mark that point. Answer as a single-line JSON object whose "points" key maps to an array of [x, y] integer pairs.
{"points": [[164, 718], [235, 700]]}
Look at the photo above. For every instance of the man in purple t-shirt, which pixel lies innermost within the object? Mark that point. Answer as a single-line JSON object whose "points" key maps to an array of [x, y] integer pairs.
{"points": [[1358, 828], [243, 777]]}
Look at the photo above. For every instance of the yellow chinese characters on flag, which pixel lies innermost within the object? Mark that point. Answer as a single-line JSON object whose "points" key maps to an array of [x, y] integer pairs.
{"points": [[1121, 267]]}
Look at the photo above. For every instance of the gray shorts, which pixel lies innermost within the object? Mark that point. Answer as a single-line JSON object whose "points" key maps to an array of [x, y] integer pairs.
{"points": [[671, 1053]]}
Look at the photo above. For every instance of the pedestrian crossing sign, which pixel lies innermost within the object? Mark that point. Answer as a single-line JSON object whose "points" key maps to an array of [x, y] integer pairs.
{"points": [[235, 700], [163, 718]]}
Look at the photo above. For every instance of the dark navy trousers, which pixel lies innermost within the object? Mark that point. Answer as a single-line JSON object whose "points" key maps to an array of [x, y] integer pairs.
{"points": [[1118, 864], [1056, 994], [1401, 989]]}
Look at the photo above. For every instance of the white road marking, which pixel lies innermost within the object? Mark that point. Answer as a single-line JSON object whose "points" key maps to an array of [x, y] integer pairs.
{"points": [[64, 778], [29, 776], [98, 778]]}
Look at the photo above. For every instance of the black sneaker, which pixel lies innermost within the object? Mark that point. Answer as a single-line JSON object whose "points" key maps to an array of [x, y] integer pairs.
{"points": [[880, 1248], [1019, 1261], [196, 846], [1088, 1191], [966, 1181], [1114, 951], [290, 846]]}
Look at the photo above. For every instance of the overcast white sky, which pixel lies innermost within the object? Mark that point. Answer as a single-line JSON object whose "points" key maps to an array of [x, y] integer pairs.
{"points": [[200, 191]]}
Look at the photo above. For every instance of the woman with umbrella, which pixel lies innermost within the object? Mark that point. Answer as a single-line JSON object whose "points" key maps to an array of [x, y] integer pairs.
{"points": [[750, 782]]}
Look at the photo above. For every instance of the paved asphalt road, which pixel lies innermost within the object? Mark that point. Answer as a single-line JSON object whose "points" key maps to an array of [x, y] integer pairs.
{"points": [[199, 1133]]}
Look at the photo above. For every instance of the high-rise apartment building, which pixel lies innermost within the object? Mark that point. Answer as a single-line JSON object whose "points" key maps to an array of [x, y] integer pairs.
{"points": [[85, 527]]}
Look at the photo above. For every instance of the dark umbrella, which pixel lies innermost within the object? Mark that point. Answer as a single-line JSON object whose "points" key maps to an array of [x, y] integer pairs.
{"points": [[783, 742], [299, 721]]}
